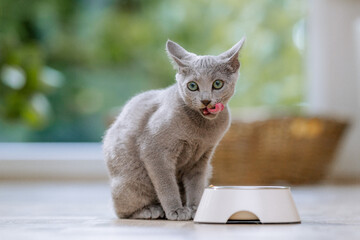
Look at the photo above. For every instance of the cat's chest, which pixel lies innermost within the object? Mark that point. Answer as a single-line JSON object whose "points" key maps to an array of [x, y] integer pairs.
{"points": [[191, 152]]}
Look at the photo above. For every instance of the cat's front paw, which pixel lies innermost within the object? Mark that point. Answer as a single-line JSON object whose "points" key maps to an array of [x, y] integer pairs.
{"points": [[193, 209], [180, 214]]}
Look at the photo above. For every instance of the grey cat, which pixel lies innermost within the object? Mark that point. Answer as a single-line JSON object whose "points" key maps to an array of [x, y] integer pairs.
{"points": [[158, 150]]}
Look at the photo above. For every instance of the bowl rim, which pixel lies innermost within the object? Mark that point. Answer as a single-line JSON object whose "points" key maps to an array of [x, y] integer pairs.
{"points": [[246, 187]]}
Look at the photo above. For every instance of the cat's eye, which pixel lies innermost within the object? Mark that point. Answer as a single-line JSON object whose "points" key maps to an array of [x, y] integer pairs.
{"points": [[217, 84], [192, 86]]}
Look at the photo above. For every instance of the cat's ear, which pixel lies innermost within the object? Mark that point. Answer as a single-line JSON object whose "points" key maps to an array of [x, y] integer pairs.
{"points": [[179, 56], [230, 57]]}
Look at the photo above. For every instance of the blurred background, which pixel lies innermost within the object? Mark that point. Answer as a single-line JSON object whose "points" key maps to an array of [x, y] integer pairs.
{"points": [[67, 66]]}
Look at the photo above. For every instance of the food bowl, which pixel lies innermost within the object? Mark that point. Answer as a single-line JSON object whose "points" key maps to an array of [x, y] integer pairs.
{"points": [[247, 204]]}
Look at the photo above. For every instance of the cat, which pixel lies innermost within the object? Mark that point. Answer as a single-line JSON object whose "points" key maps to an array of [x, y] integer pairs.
{"points": [[158, 150]]}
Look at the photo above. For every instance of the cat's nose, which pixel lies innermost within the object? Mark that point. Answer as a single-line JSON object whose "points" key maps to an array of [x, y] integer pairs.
{"points": [[205, 102]]}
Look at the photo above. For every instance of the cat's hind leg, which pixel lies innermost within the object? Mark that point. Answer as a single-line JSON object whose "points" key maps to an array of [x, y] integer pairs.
{"points": [[149, 212], [130, 197]]}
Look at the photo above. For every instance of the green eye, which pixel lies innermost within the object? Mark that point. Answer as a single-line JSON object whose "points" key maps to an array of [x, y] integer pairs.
{"points": [[217, 84], [192, 86]]}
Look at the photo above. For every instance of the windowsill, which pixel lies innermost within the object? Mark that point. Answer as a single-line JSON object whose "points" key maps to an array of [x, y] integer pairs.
{"points": [[51, 161]]}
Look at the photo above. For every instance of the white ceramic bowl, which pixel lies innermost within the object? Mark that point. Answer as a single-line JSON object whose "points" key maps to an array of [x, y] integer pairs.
{"points": [[262, 204]]}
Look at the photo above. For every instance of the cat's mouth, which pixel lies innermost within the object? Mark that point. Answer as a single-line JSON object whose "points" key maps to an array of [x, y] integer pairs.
{"points": [[205, 111], [213, 110]]}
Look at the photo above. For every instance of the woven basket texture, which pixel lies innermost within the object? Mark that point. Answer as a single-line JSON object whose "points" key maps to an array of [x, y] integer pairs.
{"points": [[292, 150]]}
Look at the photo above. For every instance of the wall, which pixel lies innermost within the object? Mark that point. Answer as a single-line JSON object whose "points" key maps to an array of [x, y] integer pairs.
{"points": [[333, 60]]}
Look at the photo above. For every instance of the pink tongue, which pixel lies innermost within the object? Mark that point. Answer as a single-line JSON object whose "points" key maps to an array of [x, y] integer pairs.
{"points": [[218, 108]]}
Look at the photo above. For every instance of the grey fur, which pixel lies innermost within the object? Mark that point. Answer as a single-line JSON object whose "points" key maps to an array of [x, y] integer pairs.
{"points": [[158, 150]]}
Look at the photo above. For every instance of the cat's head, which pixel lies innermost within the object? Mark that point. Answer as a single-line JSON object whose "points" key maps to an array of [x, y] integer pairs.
{"points": [[205, 80]]}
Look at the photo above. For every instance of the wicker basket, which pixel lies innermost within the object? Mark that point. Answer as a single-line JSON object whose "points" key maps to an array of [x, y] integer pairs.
{"points": [[292, 150]]}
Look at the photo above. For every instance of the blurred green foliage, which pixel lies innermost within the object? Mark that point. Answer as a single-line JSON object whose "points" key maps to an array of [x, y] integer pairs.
{"points": [[65, 65]]}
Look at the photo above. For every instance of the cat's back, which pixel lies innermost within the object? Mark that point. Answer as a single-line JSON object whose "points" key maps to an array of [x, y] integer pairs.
{"points": [[134, 115], [138, 107]]}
